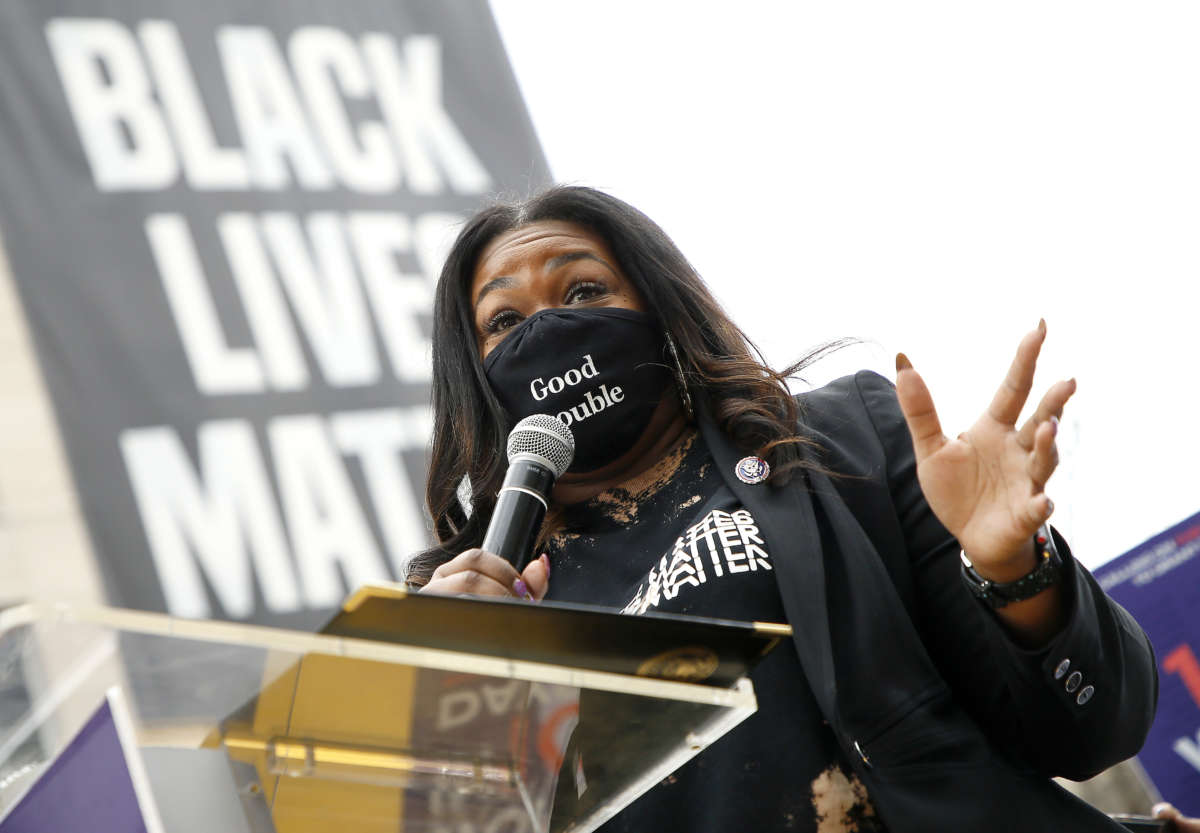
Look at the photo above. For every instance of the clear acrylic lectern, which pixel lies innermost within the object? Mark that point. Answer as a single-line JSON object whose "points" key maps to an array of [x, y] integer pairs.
{"points": [[259, 729]]}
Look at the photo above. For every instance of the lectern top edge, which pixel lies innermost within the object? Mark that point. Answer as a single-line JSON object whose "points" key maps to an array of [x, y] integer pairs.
{"points": [[739, 696]]}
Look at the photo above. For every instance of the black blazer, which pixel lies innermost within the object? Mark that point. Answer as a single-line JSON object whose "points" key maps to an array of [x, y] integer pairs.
{"points": [[949, 723]]}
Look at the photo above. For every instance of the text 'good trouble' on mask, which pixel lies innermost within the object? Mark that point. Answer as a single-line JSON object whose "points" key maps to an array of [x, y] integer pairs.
{"points": [[600, 371]]}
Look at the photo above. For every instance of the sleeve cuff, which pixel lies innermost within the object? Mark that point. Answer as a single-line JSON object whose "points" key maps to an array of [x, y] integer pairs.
{"points": [[1065, 662]]}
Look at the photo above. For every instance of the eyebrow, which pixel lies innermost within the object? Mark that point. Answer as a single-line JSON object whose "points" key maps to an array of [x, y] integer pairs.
{"points": [[495, 283], [570, 257], [552, 264]]}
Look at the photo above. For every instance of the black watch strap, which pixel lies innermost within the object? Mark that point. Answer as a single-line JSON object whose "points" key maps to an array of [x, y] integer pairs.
{"points": [[998, 594]]}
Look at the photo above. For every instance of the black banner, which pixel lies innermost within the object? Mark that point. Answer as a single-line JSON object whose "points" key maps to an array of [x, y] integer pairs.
{"points": [[224, 220]]}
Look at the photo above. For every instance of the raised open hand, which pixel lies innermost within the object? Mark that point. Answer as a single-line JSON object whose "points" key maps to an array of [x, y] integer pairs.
{"points": [[987, 487]]}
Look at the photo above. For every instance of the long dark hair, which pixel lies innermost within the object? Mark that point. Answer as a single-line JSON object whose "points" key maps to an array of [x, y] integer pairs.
{"points": [[749, 401]]}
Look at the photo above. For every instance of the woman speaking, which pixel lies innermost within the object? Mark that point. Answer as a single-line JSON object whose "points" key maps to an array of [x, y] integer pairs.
{"points": [[949, 655]]}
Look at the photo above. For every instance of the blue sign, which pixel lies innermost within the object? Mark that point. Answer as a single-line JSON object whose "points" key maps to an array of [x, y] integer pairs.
{"points": [[1159, 583], [97, 783]]}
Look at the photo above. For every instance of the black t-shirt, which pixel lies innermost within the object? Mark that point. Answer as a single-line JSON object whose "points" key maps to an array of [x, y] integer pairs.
{"points": [[678, 541]]}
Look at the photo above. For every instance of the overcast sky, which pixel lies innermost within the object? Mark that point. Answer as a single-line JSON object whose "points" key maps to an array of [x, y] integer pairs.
{"points": [[930, 177]]}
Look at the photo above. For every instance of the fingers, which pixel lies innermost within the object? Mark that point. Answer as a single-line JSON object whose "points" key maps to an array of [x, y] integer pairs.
{"points": [[537, 576], [1043, 459], [1164, 810], [477, 573], [1010, 398], [917, 405], [480, 573], [1182, 822], [1052, 405], [1038, 510]]}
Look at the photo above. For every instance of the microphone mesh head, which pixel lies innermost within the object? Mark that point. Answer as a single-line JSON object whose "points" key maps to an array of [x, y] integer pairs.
{"points": [[547, 437]]}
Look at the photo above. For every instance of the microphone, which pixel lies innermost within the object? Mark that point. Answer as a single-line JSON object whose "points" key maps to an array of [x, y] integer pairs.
{"points": [[540, 449]]}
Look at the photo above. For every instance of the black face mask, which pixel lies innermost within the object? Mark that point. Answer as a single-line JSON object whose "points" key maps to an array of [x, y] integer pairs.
{"points": [[601, 371]]}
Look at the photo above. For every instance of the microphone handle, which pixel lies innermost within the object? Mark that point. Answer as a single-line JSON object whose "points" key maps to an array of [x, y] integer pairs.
{"points": [[520, 509]]}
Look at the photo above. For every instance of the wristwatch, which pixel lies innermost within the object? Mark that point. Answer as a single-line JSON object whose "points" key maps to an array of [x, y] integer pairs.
{"points": [[997, 594]]}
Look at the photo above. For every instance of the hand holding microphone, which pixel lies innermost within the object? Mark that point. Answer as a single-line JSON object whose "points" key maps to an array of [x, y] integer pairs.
{"points": [[540, 449]]}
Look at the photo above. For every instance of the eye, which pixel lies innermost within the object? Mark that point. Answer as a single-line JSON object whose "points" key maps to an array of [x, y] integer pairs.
{"points": [[501, 321], [582, 291]]}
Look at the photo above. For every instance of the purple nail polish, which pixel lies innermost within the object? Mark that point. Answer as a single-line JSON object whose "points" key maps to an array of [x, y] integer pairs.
{"points": [[520, 588]]}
